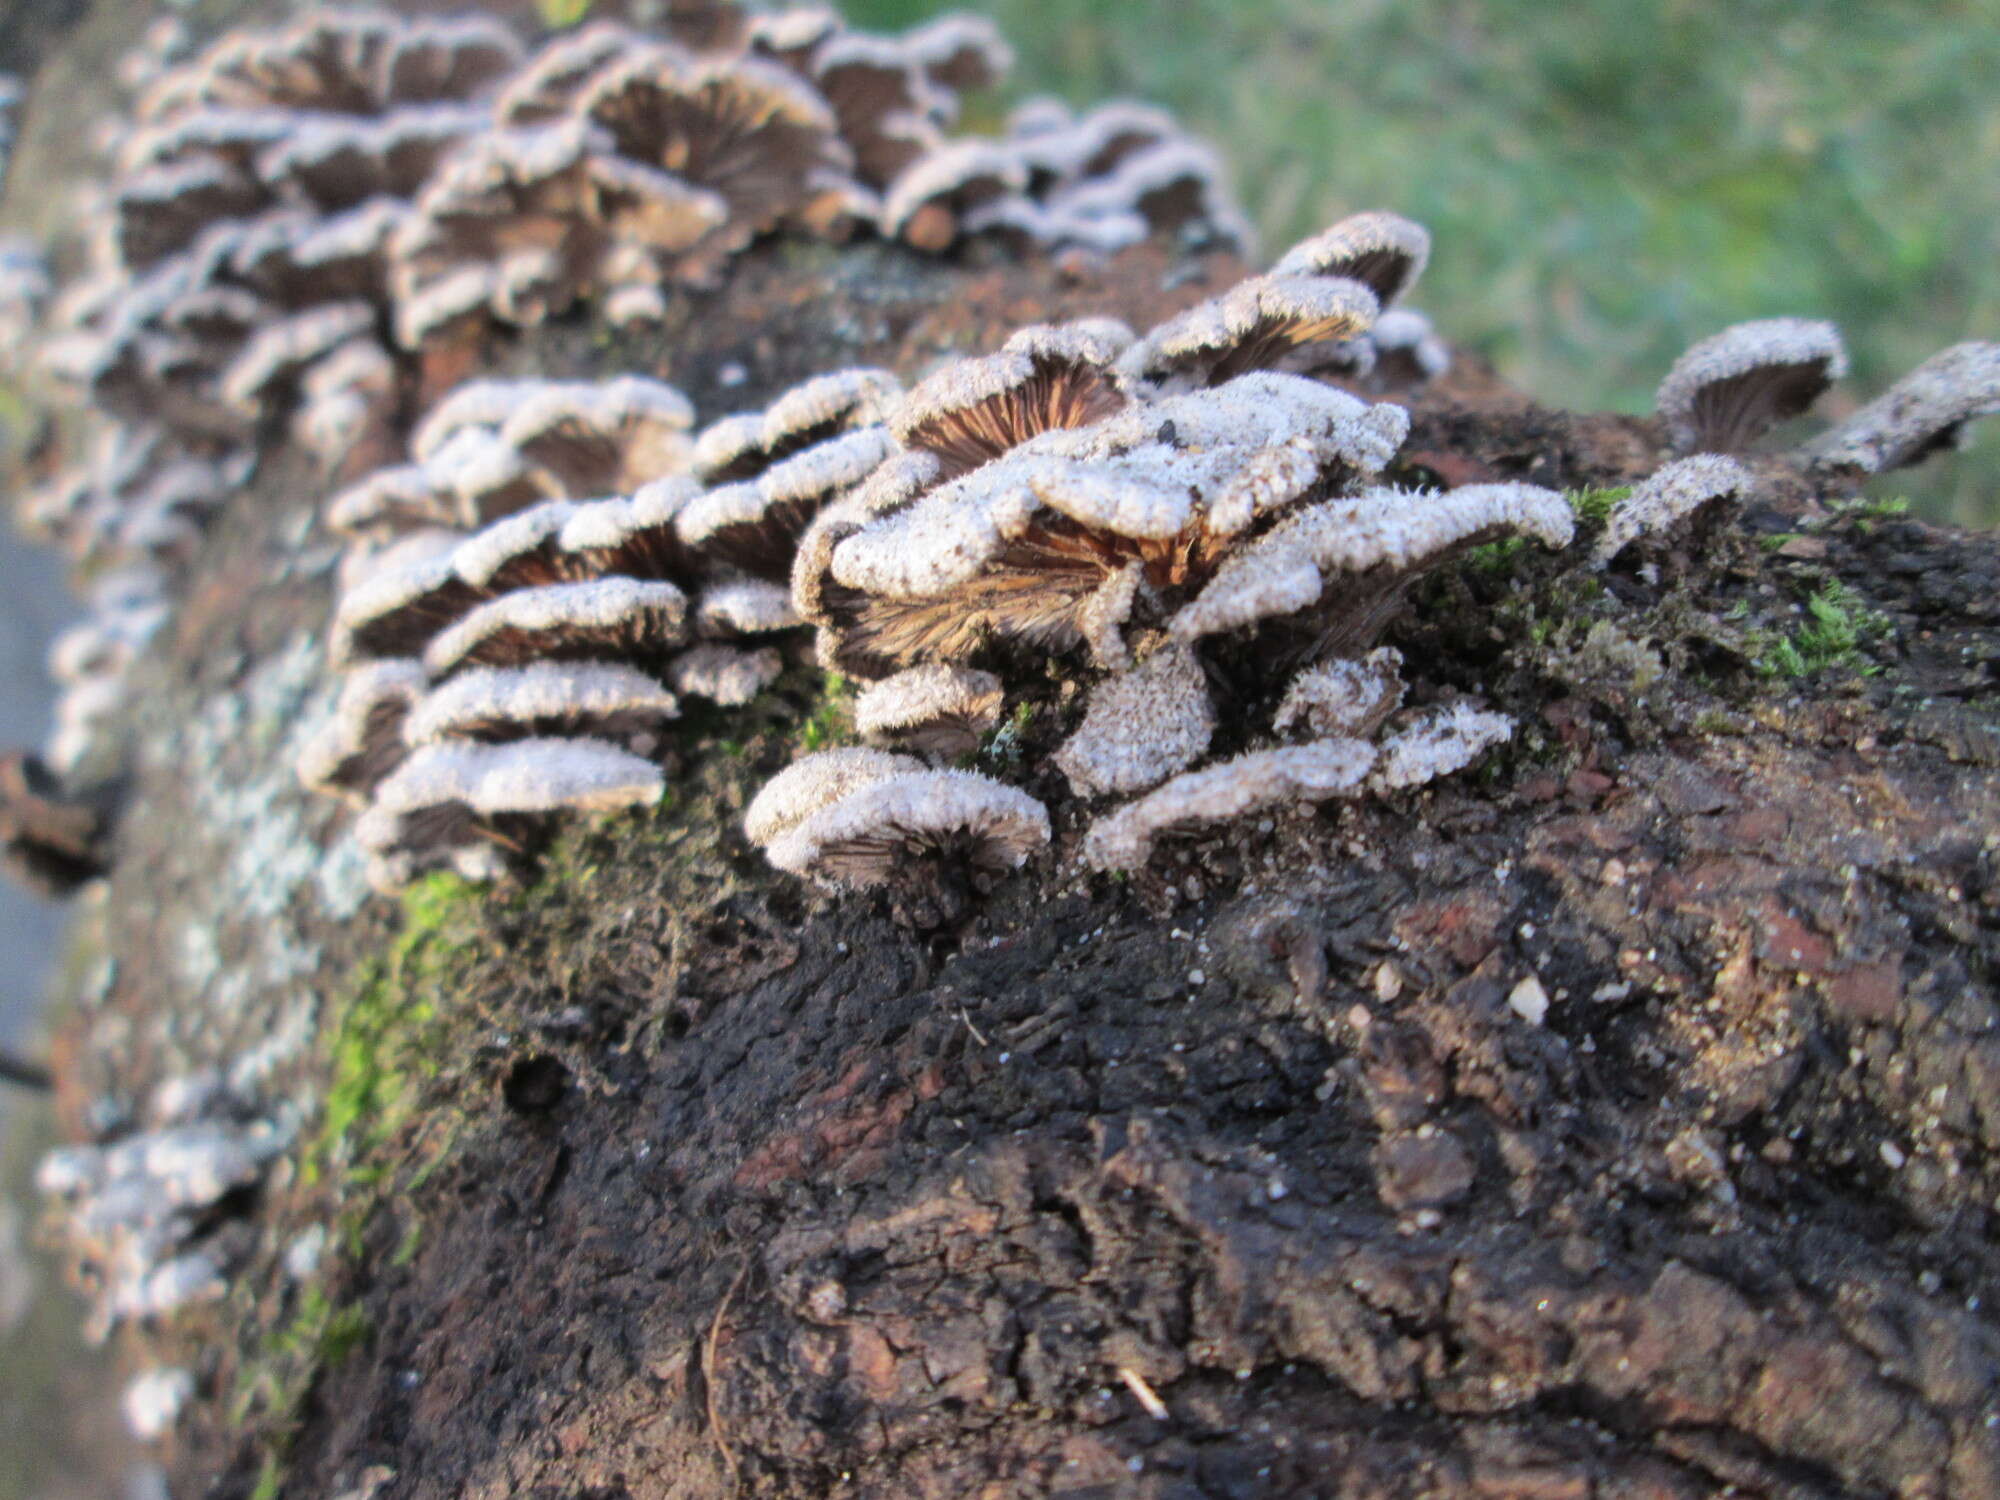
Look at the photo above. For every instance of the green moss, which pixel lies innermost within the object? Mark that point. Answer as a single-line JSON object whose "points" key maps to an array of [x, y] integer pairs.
{"points": [[1594, 506], [557, 14], [831, 721], [1837, 626]]}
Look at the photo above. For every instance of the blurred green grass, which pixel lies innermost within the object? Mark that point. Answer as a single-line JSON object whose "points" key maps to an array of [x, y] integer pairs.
{"points": [[1605, 181]]}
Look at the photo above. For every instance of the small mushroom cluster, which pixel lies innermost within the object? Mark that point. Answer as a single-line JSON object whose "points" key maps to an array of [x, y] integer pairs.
{"points": [[141, 1217], [1183, 510], [1729, 391], [301, 222], [516, 648]]}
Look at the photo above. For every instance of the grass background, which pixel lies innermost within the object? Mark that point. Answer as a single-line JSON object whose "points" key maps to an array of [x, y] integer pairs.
{"points": [[1607, 180]]}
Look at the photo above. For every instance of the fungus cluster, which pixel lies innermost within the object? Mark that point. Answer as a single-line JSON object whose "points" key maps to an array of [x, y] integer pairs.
{"points": [[530, 598], [296, 219], [1166, 512]]}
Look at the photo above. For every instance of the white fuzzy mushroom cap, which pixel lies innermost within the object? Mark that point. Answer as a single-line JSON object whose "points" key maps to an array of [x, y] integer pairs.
{"points": [[863, 838], [1344, 698], [743, 606], [525, 776], [367, 724], [852, 398], [926, 702], [1289, 567], [1920, 414], [540, 692], [815, 781], [1669, 497], [1236, 788], [1385, 252], [1142, 726], [728, 676], [1228, 333], [627, 612], [477, 403], [1437, 744], [1730, 388]]}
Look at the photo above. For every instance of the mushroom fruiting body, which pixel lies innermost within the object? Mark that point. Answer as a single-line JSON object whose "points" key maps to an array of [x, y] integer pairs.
{"points": [[1925, 412], [1731, 388]]}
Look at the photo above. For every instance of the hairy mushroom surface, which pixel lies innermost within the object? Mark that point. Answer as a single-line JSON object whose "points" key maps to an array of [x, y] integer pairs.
{"points": [[1141, 726], [596, 700], [1346, 698], [1731, 388], [1669, 497], [875, 832], [1925, 412], [936, 709], [1235, 788]]}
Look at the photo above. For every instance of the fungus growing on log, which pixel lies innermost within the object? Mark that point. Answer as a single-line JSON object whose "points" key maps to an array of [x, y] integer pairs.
{"points": [[885, 828], [459, 802], [1142, 726], [1924, 413], [602, 617], [1251, 327], [1065, 536], [1733, 387], [1260, 779], [1381, 541], [1345, 698], [1041, 380], [937, 710], [364, 740], [727, 676], [1437, 744], [606, 701], [1669, 497], [1385, 252]]}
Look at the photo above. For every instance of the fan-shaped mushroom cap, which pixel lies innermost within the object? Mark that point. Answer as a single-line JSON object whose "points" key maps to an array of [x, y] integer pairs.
{"points": [[338, 162], [1406, 349], [1028, 226], [887, 106], [935, 709], [1060, 147], [1044, 377], [1250, 327], [741, 446], [597, 437], [960, 51], [1437, 744], [597, 700], [458, 793], [741, 607], [1142, 726], [814, 782], [740, 127], [1731, 388], [476, 403], [1383, 251], [1669, 497], [346, 400], [390, 502], [1288, 568], [446, 58], [755, 525], [395, 609], [1176, 186], [281, 352], [604, 617], [865, 837], [1344, 698], [364, 740], [725, 675], [1923, 413], [924, 204], [1233, 789], [488, 476], [548, 85], [523, 550], [634, 536], [162, 210]]}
